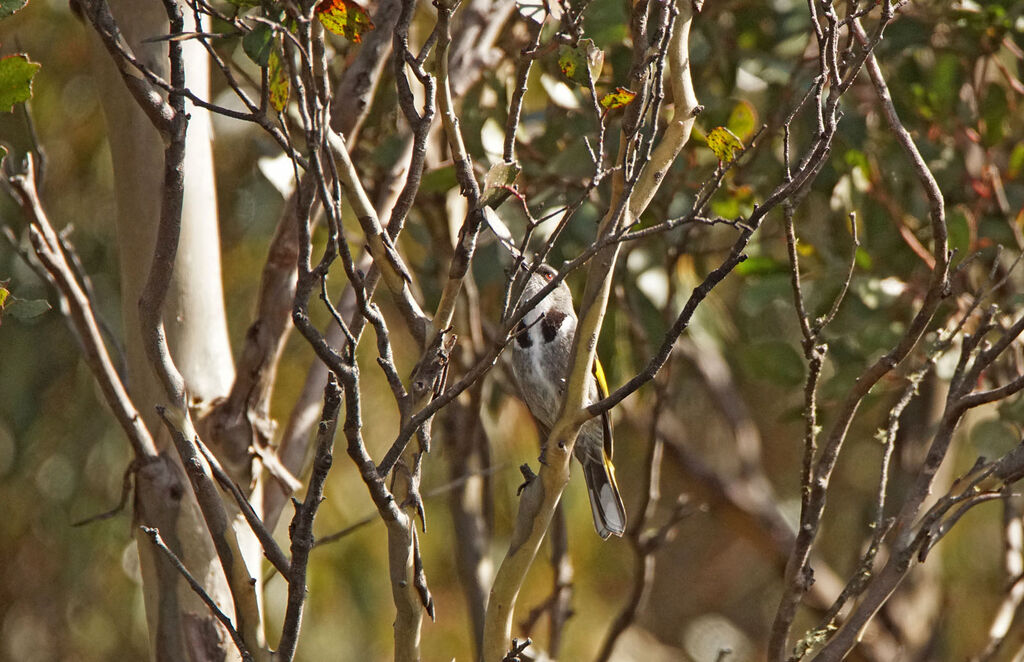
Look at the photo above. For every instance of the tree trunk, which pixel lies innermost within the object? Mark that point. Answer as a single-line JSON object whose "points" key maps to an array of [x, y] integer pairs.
{"points": [[181, 626]]}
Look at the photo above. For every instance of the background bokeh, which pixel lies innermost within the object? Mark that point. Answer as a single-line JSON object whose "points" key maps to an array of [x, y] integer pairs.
{"points": [[955, 71]]}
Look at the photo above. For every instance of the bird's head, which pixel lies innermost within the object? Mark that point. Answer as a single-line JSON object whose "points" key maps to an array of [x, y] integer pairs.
{"points": [[560, 297]]}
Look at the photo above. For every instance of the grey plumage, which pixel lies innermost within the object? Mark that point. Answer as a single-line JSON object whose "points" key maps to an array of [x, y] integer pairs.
{"points": [[540, 362]]}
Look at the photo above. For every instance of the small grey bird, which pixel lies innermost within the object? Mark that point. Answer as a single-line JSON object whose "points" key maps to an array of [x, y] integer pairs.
{"points": [[540, 363]]}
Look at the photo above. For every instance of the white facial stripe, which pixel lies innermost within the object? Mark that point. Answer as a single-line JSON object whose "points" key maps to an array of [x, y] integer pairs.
{"points": [[532, 318]]}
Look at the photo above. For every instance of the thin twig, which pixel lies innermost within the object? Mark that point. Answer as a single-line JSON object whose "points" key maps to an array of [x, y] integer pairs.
{"points": [[197, 588], [270, 547], [301, 529]]}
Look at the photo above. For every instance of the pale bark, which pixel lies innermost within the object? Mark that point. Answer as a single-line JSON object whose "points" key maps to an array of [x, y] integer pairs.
{"points": [[196, 328]]}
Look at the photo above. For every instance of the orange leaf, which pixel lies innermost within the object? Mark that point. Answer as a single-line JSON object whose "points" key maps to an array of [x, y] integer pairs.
{"points": [[344, 17]]}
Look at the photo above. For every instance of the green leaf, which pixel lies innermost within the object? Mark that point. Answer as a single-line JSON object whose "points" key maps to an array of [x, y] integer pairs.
{"points": [[581, 64], [760, 265], [568, 61], [742, 120], [8, 7], [733, 202], [345, 18], [760, 294], [16, 72], [1012, 409], [724, 143], [1016, 164], [499, 178], [994, 436], [25, 309], [259, 44], [857, 159], [617, 99], [439, 180], [944, 82], [725, 206], [959, 229], [277, 75], [22, 309], [773, 360], [863, 259], [995, 109], [572, 160]]}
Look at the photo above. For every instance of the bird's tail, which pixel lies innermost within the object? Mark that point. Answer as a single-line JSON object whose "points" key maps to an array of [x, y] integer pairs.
{"points": [[605, 501]]}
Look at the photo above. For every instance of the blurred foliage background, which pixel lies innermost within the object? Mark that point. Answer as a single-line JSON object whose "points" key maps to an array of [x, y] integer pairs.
{"points": [[955, 71]]}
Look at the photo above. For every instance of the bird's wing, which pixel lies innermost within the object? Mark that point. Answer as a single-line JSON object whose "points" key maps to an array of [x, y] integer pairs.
{"points": [[602, 393]]}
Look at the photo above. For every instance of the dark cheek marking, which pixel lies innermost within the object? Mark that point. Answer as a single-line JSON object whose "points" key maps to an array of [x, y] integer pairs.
{"points": [[551, 323], [522, 336]]}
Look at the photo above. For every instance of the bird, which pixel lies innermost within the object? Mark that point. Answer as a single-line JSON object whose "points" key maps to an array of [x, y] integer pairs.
{"points": [[540, 350]]}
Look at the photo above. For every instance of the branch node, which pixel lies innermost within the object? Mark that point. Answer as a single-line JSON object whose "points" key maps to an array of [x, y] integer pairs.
{"points": [[528, 477]]}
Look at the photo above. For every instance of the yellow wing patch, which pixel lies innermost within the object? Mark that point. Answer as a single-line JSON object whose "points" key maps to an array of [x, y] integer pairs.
{"points": [[606, 421]]}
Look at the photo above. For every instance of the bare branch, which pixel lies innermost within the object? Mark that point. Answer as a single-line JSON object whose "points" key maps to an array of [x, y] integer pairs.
{"points": [[241, 420], [139, 80], [818, 480], [270, 547], [526, 58], [158, 282], [47, 246], [385, 256], [466, 244], [301, 529], [1013, 563]]}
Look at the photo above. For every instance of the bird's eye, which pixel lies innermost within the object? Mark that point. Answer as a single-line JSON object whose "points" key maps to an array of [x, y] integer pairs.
{"points": [[548, 275]]}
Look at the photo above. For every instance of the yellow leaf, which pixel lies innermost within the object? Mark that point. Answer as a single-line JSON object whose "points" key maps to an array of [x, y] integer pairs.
{"points": [[742, 120], [580, 64], [344, 17], [567, 63], [617, 99], [279, 84], [724, 144]]}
